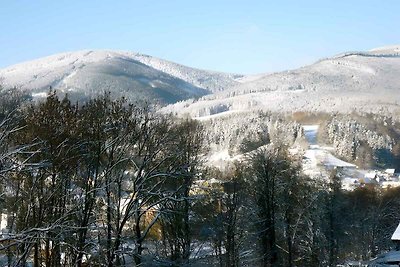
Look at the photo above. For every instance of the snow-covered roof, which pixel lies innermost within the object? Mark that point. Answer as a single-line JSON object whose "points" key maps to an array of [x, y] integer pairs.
{"points": [[383, 259], [396, 234], [367, 181], [370, 175], [350, 180], [390, 171]]}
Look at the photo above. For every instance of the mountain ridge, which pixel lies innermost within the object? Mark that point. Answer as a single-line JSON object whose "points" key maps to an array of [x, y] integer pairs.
{"points": [[355, 81], [360, 80], [91, 70]]}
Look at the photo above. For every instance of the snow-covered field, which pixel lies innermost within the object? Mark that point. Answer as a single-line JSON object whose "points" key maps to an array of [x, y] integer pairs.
{"points": [[318, 160]]}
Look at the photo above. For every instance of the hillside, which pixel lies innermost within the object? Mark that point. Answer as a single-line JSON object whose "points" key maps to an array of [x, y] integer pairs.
{"points": [[136, 76], [354, 81]]}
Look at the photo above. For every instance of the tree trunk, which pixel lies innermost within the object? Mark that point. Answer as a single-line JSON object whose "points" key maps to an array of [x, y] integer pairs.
{"points": [[36, 255], [139, 241]]}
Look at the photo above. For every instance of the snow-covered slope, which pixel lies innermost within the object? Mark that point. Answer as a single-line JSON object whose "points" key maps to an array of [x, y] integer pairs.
{"points": [[134, 75], [209, 80], [354, 81]]}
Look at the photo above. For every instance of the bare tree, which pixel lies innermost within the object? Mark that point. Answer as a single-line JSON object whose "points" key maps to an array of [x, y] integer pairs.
{"points": [[176, 224]]}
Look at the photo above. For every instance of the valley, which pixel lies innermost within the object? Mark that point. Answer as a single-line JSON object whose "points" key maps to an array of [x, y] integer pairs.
{"points": [[128, 159]]}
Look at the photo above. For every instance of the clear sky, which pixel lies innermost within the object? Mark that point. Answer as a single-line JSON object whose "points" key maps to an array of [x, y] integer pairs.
{"points": [[224, 35]]}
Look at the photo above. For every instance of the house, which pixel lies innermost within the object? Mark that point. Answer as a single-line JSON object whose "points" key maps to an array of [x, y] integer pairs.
{"points": [[390, 171], [391, 258], [367, 181], [354, 264], [396, 237], [370, 175]]}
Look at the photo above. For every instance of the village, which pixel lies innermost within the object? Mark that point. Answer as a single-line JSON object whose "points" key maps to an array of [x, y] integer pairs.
{"points": [[319, 161], [353, 178]]}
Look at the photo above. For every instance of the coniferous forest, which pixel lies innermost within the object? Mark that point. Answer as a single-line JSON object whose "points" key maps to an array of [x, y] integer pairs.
{"points": [[111, 183]]}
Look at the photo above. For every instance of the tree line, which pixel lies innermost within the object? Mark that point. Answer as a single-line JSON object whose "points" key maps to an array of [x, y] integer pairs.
{"points": [[111, 183]]}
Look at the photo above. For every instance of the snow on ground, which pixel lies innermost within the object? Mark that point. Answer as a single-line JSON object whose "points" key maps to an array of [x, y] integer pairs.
{"points": [[250, 78], [3, 223], [355, 81], [39, 95], [331, 161], [317, 160], [221, 155], [77, 69], [89, 73], [396, 234], [349, 183], [210, 80], [386, 50], [221, 158], [213, 116]]}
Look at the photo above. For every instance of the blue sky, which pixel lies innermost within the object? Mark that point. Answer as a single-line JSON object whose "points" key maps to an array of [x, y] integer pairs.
{"points": [[231, 36]]}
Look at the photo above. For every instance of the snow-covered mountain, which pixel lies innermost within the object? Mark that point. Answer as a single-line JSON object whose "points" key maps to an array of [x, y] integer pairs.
{"points": [[137, 76], [354, 81]]}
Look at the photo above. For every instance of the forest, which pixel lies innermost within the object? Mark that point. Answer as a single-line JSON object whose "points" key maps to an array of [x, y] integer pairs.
{"points": [[113, 183]]}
